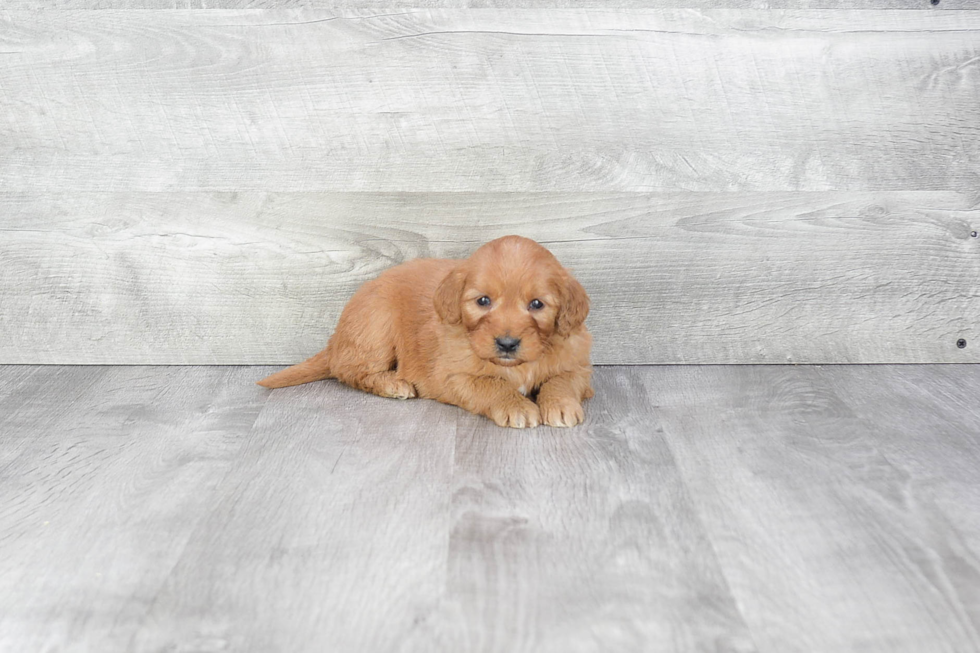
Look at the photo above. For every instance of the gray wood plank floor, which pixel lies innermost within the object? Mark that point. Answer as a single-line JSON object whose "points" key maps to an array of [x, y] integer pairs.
{"points": [[755, 508]]}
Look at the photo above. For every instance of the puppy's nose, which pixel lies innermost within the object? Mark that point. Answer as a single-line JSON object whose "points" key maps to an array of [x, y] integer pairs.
{"points": [[508, 345]]}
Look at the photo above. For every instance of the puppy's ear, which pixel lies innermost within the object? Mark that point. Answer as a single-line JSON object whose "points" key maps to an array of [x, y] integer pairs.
{"points": [[574, 307], [448, 297]]}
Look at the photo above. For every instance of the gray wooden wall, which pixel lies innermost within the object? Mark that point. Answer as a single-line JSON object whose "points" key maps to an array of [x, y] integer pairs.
{"points": [[733, 181]]}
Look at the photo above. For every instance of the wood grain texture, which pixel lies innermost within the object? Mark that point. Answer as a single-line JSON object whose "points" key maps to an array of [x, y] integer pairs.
{"points": [[115, 468], [329, 534], [190, 278], [27, 412], [515, 99], [712, 508], [622, 565], [841, 501], [340, 521], [355, 6]]}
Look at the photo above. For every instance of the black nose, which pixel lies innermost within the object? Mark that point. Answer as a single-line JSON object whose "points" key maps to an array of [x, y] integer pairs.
{"points": [[508, 345]]}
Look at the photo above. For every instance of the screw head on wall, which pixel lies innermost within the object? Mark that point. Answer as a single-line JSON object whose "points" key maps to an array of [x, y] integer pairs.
{"points": [[961, 343]]}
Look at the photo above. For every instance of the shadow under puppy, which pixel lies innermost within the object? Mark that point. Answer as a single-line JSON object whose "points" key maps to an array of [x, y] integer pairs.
{"points": [[484, 333]]}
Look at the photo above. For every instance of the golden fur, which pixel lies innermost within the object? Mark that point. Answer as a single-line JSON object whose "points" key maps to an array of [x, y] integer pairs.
{"points": [[418, 330]]}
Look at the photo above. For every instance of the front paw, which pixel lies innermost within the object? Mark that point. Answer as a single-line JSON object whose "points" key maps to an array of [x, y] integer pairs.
{"points": [[561, 411], [517, 414]]}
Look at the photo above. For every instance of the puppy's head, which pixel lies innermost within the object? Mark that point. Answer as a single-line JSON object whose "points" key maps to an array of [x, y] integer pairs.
{"points": [[513, 297]]}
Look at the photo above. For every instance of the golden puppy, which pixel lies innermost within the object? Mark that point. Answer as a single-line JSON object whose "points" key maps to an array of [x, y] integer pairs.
{"points": [[483, 333]]}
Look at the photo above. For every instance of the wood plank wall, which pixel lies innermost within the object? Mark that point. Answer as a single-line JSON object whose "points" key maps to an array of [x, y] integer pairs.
{"points": [[734, 182]]}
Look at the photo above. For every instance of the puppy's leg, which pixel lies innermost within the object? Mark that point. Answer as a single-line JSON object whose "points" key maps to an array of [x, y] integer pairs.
{"points": [[560, 398], [494, 398], [384, 384], [362, 349], [367, 365]]}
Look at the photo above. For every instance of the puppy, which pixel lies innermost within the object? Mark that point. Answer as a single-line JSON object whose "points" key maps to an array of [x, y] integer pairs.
{"points": [[485, 334]]}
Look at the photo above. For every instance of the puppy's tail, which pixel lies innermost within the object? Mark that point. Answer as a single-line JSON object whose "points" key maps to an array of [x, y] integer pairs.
{"points": [[312, 369]]}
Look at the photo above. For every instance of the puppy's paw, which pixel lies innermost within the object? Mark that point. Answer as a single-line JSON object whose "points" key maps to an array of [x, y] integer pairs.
{"points": [[399, 389], [518, 415], [561, 411]]}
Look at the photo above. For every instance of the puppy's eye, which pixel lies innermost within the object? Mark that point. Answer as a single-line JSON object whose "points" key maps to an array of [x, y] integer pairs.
{"points": [[536, 305], [483, 301]]}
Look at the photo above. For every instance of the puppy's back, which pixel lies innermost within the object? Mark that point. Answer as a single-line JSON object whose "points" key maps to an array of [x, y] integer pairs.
{"points": [[408, 288]]}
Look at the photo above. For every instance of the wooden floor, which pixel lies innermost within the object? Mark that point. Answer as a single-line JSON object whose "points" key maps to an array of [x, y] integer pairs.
{"points": [[758, 508]]}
